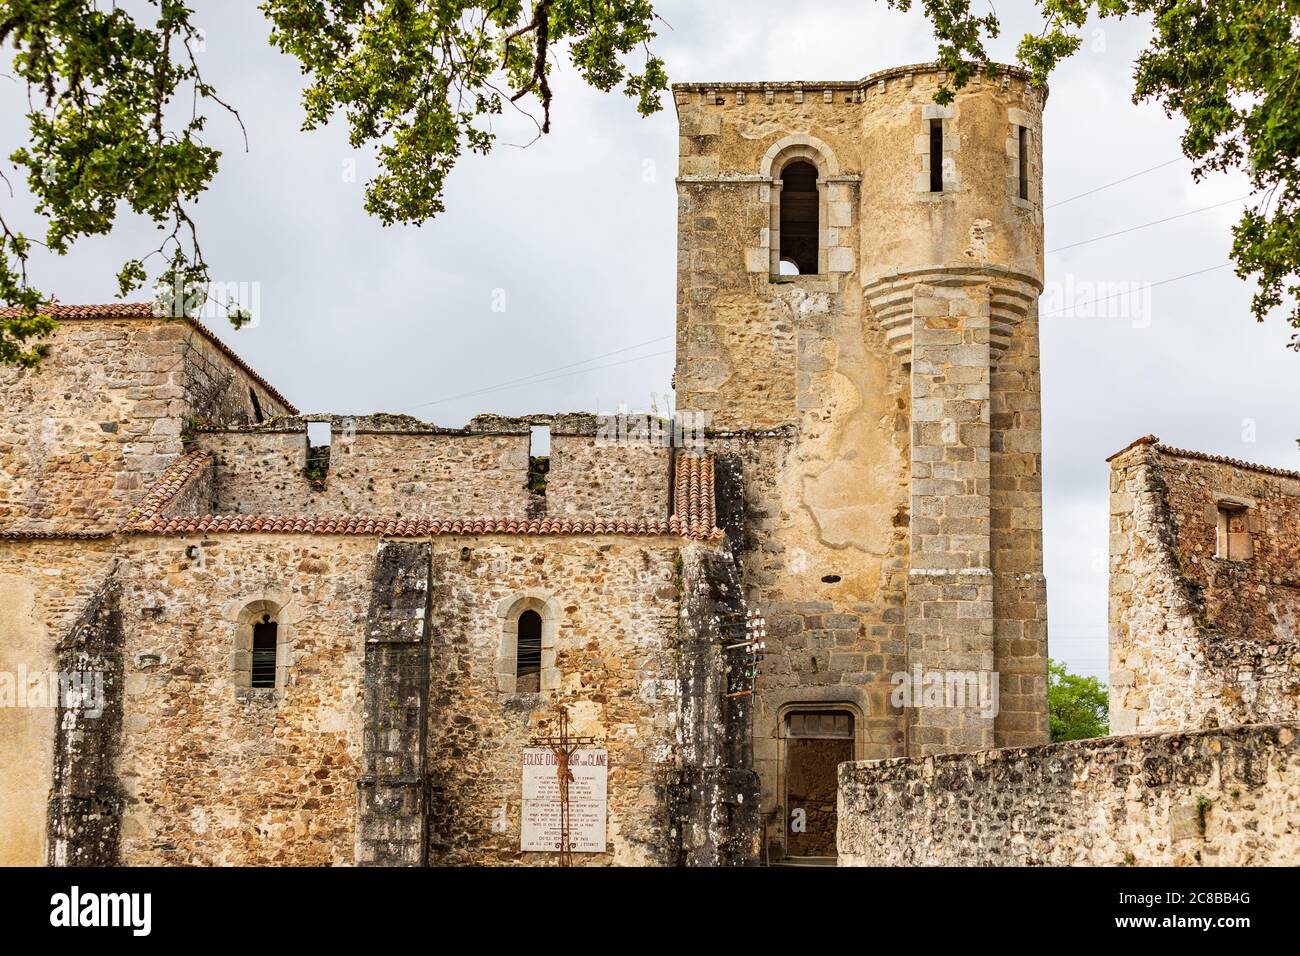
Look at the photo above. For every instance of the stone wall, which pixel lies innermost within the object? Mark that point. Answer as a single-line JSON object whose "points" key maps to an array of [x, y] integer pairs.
{"points": [[612, 607], [830, 581], [1209, 798], [215, 772], [84, 435], [219, 391], [593, 478], [412, 475], [1198, 639], [441, 473]]}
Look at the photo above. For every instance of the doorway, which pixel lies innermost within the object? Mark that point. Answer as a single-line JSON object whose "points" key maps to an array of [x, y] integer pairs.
{"points": [[816, 743]]}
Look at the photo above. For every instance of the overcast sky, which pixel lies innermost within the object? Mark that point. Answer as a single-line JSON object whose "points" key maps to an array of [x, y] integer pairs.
{"points": [[576, 234]]}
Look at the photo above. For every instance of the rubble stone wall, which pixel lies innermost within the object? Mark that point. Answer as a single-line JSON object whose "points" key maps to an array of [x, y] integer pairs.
{"points": [[1198, 639], [1209, 798]]}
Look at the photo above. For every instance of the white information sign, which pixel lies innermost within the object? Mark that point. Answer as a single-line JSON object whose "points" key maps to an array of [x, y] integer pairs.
{"points": [[587, 789]]}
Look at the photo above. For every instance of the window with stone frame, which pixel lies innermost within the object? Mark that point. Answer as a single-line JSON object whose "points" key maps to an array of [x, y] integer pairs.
{"points": [[265, 652], [800, 227], [1232, 533], [528, 653], [936, 155]]}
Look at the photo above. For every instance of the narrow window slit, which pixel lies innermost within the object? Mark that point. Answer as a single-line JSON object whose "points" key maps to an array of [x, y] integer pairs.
{"points": [[528, 653], [936, 155], [265, 646], [1024, 162], [539, 458], [319, 436]]}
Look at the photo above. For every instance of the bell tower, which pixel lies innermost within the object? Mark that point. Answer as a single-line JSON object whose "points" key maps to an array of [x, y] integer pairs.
{"points": [[858, 279]]}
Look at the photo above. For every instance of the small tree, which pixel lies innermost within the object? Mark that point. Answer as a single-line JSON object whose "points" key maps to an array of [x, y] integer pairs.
{"points": [[1078, 707]]}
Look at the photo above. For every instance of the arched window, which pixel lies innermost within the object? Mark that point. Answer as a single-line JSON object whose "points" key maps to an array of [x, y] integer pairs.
{"points": [[528, 653], [526, 656], [800, 218], [262, 658], [265, 644]]}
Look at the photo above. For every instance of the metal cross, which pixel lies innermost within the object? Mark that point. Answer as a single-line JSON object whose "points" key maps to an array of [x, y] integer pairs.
{"points": [[564, 746]]}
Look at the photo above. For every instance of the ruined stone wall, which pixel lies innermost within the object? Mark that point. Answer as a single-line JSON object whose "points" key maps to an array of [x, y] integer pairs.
{"points": [[445, 474], [591, 478], [217, 390], [1209, 798], [830, 578], [412, 475], [44, 587], [1199, 640], [86, 433], [215, 772]]}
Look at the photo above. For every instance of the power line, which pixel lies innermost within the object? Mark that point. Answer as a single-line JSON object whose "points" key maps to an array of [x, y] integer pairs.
{"points": [[528, 379], [535, 380], [581, 371], [1097, 189], [1150, 285], [1156, 222]]}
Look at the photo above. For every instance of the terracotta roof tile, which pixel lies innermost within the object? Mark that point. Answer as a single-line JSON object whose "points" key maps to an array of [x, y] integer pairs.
{"points": [[694, 500], [167, 488], [405, 527], [1206, 456], [147, 310]]}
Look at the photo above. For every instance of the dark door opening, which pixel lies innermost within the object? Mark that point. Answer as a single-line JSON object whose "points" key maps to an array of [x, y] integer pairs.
{"points": [[817, 742]]}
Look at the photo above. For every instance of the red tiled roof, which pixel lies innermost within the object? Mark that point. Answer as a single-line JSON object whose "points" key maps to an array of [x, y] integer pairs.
{"points": [[167, 488], [694, 517], [1206, 456], [693, 496], [147, 310], [407, 527]]}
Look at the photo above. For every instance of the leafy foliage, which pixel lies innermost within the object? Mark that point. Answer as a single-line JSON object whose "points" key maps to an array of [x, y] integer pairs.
{"points": [[1229, 68], [419, 80], [415, 79], [99, 86], [1077, 707]]}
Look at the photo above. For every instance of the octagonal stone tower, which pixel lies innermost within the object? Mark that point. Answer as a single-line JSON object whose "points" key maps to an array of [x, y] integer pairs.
{"points": [[858, 278]]}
